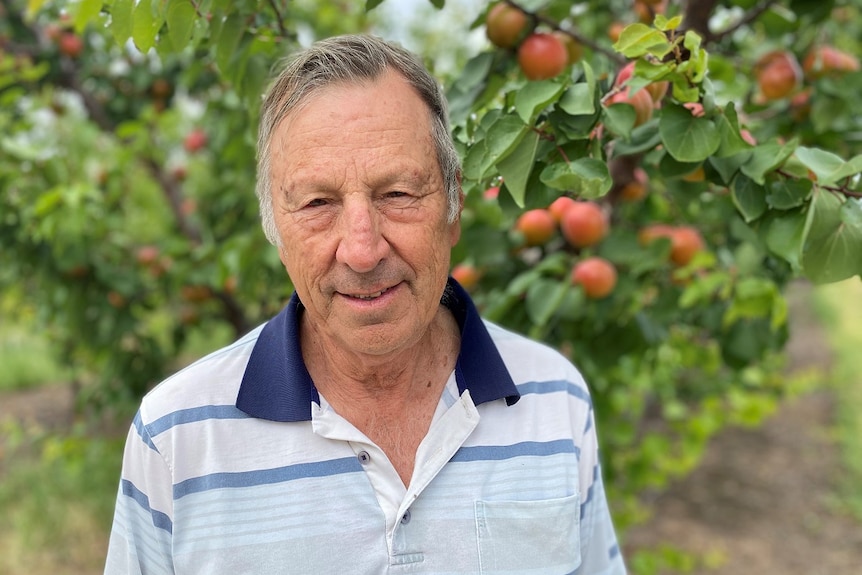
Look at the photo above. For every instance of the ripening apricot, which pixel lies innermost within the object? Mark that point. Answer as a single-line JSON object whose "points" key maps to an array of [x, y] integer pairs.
{"points": [[698, 175], [624, 74], [542, 56], [649, 233], [636, 189], [778, 74], [685, 242], [559, 206], [538, 226], [491, 193], [597, 276], [584, 224], [641, 101], [826, 60], [504, 25], [615, 30], [573, 48], [466, 274]]}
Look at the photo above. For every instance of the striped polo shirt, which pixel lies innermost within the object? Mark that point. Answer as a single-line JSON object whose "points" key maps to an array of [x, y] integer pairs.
{"points": [[237, 465]]}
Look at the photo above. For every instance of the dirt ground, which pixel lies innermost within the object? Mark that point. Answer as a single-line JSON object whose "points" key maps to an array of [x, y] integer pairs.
{"points": [[761, 501]]}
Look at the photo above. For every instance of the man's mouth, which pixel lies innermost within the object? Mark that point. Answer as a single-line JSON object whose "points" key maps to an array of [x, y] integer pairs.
{"points": [[369, 295]]}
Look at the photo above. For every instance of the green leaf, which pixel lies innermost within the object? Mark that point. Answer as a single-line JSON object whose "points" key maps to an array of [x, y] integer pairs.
{"points": [[749, 198], [620, 119], [86, 11], [535, 97], [820, 162], [753, 298], [544, 296], [180, 20], [698, 62], [703, 289], [785, 235], [475, 70], [686, 138], [372, 4], [33, 8], [516, 167], [468, 86], [785, 194], [253, 79], [578, 100], [586, 177], [639, 39], [504, 135], [850, 168], [477, 161], [670, 168], [649, 72], [228, 41], [683, 91], [121, 20], [828, 167], [728, 167], [833, 245], [145, 26], [664, 24], [728, 127], [765, 158], [439, 4], [644, 137]]}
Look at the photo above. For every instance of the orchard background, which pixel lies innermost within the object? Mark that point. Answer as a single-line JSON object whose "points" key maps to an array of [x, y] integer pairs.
{"points": [[643, 180]]}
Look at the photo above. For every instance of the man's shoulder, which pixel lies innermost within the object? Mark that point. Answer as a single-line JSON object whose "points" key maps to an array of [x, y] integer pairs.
{"points": [[211, 380], [531, 360]]}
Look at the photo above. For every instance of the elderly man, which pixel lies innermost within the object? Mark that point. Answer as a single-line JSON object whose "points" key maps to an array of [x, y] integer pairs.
{"points": [[377, 424]]}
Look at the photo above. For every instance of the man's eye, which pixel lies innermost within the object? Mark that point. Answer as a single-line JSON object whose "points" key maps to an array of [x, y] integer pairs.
{"points": [[316, 203], [396, 194]]}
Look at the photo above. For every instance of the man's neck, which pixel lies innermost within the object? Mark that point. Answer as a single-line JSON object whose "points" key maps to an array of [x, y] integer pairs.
{"points": [[397, 377]]}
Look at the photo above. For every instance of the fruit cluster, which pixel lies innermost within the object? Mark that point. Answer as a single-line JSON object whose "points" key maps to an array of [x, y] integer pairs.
{"points": [[541, 55], [584, 224]]}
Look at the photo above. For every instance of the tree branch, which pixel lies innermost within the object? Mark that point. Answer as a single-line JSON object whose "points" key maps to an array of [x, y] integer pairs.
{"points": [[619, 59], [279, 19], [697, 15], [747, 18]]}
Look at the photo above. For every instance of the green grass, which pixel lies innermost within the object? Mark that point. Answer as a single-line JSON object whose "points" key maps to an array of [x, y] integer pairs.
{"points": [[27, 359], [57, 493], [840, 307], [26, 355]]}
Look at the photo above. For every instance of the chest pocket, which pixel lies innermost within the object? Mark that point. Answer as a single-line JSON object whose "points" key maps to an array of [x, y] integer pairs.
{"points": [[529, 536]]}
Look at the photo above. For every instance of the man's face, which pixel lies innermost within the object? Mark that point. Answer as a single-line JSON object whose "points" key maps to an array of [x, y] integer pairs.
{"points": [[361, 210]]}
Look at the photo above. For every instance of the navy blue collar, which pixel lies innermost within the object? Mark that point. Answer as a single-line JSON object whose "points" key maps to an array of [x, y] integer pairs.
{"points": [[276, 384]]}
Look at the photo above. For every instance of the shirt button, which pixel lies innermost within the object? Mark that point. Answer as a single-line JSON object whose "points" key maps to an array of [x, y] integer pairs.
{"points": [[405, 519], [363, 457]]}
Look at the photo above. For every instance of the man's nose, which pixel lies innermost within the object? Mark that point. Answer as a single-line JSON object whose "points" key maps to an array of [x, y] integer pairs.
{"points": [[361, 245]]}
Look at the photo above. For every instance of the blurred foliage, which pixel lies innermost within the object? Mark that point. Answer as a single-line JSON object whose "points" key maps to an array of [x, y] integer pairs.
{"points": [[840, 304], [57, 499]]}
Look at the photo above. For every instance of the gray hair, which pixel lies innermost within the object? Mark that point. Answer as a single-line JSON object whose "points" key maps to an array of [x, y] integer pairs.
{"points": [[353, 59]]}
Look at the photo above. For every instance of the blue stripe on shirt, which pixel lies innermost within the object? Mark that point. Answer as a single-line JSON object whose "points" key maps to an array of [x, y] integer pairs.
{"points": [[554, 386], [160, 520], [194, 414], [524, 449], [228, 480]]}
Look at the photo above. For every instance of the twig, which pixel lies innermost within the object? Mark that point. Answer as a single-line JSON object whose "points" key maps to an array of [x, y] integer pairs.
{"points": [[279, 19], [610, 54], [747, 18]]}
